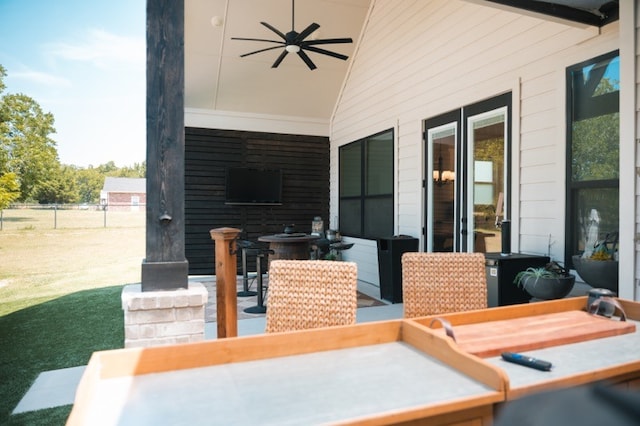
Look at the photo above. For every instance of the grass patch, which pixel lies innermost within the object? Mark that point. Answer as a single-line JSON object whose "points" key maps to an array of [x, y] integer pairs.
{"points": [[59, 333], [60, 291]]}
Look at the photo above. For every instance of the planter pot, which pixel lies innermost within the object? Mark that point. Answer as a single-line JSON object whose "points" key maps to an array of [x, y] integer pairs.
{"points": [[597, 273], [548, 288]]}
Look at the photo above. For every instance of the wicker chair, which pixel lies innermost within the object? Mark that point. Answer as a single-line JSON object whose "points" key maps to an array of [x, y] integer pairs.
{"points": [[437, 283], [307, 294]]}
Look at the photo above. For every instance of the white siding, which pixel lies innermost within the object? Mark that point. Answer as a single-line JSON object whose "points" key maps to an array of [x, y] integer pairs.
{"points": [[629, 252], [419, 59]]}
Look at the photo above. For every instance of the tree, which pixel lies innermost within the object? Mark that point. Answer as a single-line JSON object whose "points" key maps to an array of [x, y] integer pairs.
{"points": [[3, 74], [9, 186], [138, 170], [90, 181], [26, 148], [59, 188], [9, 189], [108, 169]]}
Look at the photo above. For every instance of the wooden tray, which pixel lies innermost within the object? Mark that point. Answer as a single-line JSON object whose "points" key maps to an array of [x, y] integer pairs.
{"points": [[535, 332]]}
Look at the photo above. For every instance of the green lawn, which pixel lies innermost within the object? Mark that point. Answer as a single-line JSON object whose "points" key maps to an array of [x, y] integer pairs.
{"points": [[60, 296]]}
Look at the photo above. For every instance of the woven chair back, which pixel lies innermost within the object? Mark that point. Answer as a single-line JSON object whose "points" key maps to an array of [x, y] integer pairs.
{"points": [[307, 294], [437, 283]]}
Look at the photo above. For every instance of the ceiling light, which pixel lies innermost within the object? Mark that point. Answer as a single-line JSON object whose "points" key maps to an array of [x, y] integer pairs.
{"points": [[292, 48]]}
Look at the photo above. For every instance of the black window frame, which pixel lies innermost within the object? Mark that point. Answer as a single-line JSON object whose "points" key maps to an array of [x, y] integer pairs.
{"points": [[573, 188], [363, 197]]}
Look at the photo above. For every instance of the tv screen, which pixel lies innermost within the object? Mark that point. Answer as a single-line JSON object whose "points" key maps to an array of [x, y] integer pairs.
{"points": [[253, 186]]}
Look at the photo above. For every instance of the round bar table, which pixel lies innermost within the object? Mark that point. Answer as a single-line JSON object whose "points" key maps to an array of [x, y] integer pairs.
{"points": [[293, 246]]}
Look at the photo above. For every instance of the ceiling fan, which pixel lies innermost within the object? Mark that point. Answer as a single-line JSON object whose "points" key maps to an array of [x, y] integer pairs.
{"points": [[294, 42]]}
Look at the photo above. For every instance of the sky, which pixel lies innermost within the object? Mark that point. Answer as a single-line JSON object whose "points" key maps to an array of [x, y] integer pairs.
{"points": [[83, 61]]}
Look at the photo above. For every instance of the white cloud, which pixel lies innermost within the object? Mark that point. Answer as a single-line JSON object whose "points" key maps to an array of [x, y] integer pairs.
{"points": [[43, 78], [102, 49]]}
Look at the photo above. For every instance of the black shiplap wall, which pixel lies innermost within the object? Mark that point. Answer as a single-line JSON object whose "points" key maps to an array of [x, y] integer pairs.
{"points": [[304, 161]]}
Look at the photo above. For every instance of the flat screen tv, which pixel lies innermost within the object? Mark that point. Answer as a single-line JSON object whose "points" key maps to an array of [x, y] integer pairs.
{"points": [[253, 186]]}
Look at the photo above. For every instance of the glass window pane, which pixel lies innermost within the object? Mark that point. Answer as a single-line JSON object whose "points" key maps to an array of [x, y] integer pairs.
{"points": [[595, 148], [360, 214], [489, 121], [379, 157], [379, 218], [350, 170], [350, 216], [599, 78], [597, 215], [442, 192], [595, 88], [488, 181]]}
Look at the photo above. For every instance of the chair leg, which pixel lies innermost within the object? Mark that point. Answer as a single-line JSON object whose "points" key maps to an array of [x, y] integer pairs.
{"points": [[260, 308], [245, 278]]}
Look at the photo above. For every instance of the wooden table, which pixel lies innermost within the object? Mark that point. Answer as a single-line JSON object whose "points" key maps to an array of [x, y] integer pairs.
{"points": [[376, 373], [293, 246], [373, 373]]}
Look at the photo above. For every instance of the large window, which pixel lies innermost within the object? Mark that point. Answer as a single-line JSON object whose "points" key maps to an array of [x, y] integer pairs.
{"points": [[593, 132], [366, 187]]}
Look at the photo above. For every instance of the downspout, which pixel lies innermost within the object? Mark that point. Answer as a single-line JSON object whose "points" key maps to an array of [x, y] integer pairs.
{"points": [[629, 171]]}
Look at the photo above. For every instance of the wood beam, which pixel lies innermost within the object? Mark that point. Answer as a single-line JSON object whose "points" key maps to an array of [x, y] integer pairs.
{"points": [[165, 266]]}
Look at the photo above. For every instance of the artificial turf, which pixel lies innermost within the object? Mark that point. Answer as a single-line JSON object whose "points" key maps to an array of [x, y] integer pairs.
{"points": [[50, 335]]}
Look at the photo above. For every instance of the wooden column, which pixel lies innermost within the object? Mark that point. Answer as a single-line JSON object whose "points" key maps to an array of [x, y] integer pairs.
{"points": [[226, 280], [165, 266]]}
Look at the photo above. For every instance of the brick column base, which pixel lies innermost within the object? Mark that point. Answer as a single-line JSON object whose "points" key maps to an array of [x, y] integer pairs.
{"points": [[155, 318]]}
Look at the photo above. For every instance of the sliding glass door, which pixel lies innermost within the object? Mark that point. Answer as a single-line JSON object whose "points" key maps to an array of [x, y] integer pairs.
{"points": [[467, 177]]}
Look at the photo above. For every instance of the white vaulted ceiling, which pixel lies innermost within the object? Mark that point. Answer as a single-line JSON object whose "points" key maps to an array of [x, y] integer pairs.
{"points": [[218, 82], [217, 78]]}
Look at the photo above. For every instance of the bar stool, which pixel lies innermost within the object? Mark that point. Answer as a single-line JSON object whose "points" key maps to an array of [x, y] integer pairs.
{"points": [[261, 268], [247, 277]]}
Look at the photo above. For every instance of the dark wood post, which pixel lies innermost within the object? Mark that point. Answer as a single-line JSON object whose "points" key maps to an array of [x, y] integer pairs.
{"points": [[226, 280], [165, 266]]}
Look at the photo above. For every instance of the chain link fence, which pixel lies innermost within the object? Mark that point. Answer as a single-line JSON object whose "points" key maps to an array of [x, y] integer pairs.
{"points": [[69, 216]]}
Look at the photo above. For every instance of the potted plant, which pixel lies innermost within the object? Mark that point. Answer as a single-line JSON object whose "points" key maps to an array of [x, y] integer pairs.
{"points": [[549, 282], [599, 267]]}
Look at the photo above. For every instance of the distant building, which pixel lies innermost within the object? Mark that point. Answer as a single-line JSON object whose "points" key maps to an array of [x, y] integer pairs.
{"points": [[124, 193]]}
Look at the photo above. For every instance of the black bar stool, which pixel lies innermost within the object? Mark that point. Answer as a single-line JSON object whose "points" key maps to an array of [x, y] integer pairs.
{"points": [[261, 255], [247, 277]]}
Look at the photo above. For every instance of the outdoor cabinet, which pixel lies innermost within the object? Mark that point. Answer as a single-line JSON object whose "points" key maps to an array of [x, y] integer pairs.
{"points": [[390, 252], [501, 270]]}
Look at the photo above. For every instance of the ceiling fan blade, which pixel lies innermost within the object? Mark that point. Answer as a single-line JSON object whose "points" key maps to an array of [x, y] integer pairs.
{"points": [[306, 32], [274, 30], [257, 39], [279, 60], [326, 52], [261, 50], [306, 60], [327, 41]]}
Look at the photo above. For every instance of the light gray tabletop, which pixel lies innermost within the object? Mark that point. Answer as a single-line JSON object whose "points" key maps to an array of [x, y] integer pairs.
{"points": [[314, 388], [574, 358]]}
